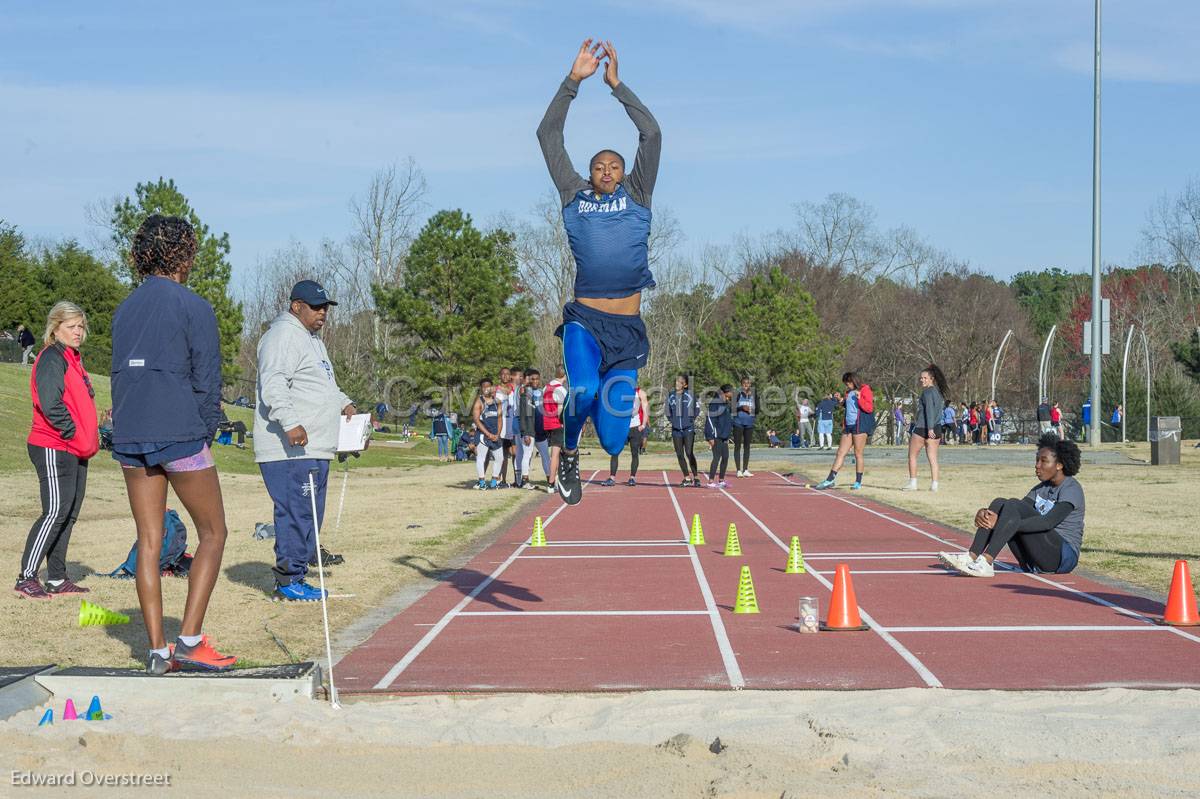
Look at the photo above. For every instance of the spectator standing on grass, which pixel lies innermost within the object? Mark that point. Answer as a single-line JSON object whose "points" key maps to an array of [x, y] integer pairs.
{"points": [[61, 442], [27, 342], [296, 432], [948, 423], [1056, 420], [541, 439], [637, 423], [488, 415], [825, 409], [527, 423], [1085, 419], [553, 399], [1043, 416], [997, 424], [927, 428], [898, 420], [166, 393], [1117, 415], [441, 432], [804, 427]]}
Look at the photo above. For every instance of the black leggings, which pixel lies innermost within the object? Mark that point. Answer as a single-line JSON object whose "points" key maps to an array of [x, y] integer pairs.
{"points": [[635, 443], [720, 452], [741, 444], [685, 451], [62, 478], [1041, 550]]}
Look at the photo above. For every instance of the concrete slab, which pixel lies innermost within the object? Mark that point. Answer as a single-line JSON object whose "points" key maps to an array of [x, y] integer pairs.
{"points": [[19, 690], [283, 683]]}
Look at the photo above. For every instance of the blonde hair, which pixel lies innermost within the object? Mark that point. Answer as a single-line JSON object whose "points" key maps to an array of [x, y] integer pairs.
{"points": [[61, 312]]}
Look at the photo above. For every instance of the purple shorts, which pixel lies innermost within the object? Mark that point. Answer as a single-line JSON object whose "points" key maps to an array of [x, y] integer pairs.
{"points": [[192, 463]]}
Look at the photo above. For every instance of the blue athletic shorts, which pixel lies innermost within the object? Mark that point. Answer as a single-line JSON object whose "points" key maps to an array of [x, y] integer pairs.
{"points": [[622, 337]]}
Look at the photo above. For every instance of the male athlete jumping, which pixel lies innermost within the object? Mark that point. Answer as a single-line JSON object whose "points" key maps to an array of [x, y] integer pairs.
{"points": [[607, 219]]}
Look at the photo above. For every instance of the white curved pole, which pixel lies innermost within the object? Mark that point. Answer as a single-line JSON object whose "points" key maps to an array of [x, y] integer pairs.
{"points": [[1042, 363], [996, 363], [1146, 349]]}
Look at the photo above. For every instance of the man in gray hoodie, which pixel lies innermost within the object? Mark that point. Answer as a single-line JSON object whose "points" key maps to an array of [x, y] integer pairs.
{"points": [[296, 431]]}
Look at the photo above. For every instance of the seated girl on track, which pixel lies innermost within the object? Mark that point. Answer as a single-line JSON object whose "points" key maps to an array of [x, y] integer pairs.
{"points": [[1044, 530]]}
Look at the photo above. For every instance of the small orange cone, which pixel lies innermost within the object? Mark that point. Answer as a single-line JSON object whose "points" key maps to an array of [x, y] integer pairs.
{"points": [[1181, 601], [843, 608]]}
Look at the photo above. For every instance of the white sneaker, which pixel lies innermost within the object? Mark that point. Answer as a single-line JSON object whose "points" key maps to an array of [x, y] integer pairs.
{"points": [[955, 560], [933, 486], [911, 485], [739, 474], [979, 568], [747, 473]]}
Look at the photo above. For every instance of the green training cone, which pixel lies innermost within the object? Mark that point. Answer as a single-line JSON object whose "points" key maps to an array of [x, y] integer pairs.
{"points": [[697, 537], [795, 562], [538, 539], [95, 616], [733, 546]]}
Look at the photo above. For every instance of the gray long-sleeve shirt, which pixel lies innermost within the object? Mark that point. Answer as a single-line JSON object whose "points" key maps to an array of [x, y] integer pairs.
{"points": [[296, 386], [639, 181], [929, 409]]}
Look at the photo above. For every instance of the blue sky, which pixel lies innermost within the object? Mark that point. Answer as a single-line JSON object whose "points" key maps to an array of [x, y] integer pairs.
{"points": [[967, 120]]}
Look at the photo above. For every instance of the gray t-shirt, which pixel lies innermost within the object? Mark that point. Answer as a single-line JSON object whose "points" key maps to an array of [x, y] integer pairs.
{"points": [[1045, 496]]}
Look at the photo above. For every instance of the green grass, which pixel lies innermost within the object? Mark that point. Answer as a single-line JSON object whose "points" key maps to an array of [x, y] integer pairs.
{"points": [[16, 414]]}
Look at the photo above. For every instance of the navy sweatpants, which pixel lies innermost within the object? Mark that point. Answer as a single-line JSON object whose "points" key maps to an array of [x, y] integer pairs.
{"points": [[295, 536]]}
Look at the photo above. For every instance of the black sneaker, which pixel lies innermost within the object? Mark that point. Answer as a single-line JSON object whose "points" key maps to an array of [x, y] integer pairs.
{"points": [[570, 488], [328, 558], [632, 481]]}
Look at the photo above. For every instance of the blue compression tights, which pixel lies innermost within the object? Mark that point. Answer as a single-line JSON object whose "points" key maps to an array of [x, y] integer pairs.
{"points": [[606, 397]]}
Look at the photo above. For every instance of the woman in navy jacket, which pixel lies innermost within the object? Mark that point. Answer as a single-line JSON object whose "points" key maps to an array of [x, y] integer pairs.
{"points": [[166, 387]]}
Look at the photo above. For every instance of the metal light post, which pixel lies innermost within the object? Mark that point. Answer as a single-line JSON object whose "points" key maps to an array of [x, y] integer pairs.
{"points": [[1097, 320], [996, 363]]}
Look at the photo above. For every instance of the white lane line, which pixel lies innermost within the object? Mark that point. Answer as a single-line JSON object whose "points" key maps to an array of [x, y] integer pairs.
{"points": [[867, 554], [732, 669], [909, 657], [594, 557], [511, 613], [930, 556], [616, 544], [1040, 628], [427, 639], [941, 572], [832, 495], [1039, 578]]}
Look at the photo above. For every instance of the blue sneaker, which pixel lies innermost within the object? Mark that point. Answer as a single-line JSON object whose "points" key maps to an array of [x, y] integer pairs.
{"points": [[298, 592], [480, 486], [856, 487], [609, 482], [824, 484], [493, 485]]}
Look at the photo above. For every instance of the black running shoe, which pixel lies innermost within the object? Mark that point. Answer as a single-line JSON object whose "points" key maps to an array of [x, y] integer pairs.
{"points": [[570, 487]]}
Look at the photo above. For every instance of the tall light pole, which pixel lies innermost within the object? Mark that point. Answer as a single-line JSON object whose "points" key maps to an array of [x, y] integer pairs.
{"points": [[1097, 312]]}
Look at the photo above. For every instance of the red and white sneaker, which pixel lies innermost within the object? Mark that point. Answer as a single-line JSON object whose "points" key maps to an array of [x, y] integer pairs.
{"points": [[66, 587], [31, 589], [203, 656]]}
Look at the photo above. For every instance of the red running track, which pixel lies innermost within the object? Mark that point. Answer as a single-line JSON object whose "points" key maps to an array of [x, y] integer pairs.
{"points": [[619, 601]]}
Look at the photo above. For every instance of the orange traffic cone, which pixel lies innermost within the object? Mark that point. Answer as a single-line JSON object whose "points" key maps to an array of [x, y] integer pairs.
{"points": [[1181, 601], [843, 608]]}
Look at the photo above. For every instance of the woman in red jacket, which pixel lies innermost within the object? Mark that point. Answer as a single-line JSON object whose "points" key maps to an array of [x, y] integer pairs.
{"points": [[64, 436]]}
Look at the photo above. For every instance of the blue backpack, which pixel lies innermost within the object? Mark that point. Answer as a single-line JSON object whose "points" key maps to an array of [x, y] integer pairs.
{"points": [[173, 561]]}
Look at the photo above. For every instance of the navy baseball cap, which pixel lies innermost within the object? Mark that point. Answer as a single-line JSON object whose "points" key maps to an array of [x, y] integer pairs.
{"points": [[311, 292]]}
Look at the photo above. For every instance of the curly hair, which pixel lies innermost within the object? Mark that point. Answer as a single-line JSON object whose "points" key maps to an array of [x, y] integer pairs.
{"points": [[1065, 452], [163, 245], [939, 379]]}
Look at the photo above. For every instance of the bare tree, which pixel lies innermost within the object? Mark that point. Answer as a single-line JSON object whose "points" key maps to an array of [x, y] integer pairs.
{"points": [[385, 220]]}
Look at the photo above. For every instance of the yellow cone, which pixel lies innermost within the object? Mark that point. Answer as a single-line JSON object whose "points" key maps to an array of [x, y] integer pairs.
{"points": [[747, 602], [795, 564], [732, 545], [95, 616], [697, 537], [538, 539]]}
